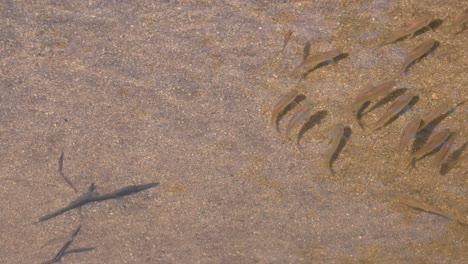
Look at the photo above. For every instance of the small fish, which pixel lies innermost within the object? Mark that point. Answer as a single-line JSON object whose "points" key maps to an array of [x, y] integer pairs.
{"points": [[441, 156], [434, 114], [394, 109], [408, 134], [412, 28], [458, 162], [287, 37], [421, 205], [370, 93], [303, 115], [336, 135], [311, 62], [417, 53], [433, 143], [283, 102], [461, 21]]}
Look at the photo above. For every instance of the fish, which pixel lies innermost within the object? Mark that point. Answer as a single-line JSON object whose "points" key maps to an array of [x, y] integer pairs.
{"points": [[410, 29], [417, 53], [433, 143], [458, 162], [424, 206], [336, 135], [370, 93], [394, 109], [281, 105], [287, 37], [460, 21], [303, 115], [441, 156], [312, 62], [434, 114], [408, 134]]}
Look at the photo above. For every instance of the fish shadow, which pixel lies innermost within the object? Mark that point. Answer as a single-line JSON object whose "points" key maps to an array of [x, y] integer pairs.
{"points": [[346, 135], [314, 120], [436, 23], [436, 45], [408, 107], [446, 167], [325, 63], [291, 106]]}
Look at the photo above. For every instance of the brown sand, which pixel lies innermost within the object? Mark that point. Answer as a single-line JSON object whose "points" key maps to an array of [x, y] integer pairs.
{"points": [[180, 92]]}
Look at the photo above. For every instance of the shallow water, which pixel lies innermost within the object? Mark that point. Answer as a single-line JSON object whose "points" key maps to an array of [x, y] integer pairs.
{"points": [[180, 92]]}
